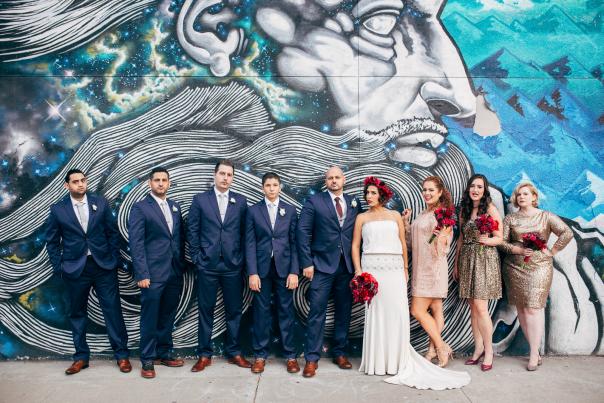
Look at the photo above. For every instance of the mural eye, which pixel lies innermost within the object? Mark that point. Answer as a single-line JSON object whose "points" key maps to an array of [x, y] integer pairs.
{"points": [[381, 24]]}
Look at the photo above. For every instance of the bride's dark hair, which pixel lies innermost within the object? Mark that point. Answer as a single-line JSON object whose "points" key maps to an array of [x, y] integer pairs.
{"points": [[466, 205], [383, 190]]}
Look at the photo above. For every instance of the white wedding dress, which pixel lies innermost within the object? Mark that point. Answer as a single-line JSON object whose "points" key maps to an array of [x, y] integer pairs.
{"points": [[386, 346]]}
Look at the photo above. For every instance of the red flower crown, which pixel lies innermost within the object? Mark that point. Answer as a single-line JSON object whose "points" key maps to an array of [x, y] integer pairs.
{"points": [[382, 187]]}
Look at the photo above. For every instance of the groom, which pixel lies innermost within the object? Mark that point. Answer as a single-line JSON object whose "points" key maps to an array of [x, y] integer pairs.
{"points": [[324, 238]]}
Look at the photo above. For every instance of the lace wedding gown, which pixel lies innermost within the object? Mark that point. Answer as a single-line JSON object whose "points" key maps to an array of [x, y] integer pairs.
{"points": [[386, 346]]}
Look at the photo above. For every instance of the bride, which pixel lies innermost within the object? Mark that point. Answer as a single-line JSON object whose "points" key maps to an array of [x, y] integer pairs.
{"points": [[386, 346]]}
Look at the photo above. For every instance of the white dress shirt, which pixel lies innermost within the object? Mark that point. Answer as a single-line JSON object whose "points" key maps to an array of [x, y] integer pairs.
{"points": [[342, 204], [226, 202], [275, 209]]}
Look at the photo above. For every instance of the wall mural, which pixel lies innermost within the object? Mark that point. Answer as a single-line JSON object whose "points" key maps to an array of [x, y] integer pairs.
{"points": [[399, 89]]}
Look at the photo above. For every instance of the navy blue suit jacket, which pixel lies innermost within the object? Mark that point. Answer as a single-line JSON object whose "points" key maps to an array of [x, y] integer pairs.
{"points": [[67, 243], [210, 238], [262, 242], [155, 251], [320, 238]]}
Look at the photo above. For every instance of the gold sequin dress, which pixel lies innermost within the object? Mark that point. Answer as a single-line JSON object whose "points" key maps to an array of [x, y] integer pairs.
{"points": [[478, 266], [528, 284]]}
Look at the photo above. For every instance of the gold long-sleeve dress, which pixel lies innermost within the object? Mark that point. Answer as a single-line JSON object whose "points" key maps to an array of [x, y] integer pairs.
{"points": [[528, 284]]}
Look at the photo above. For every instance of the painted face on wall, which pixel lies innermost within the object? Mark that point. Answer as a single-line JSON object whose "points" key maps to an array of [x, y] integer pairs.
{"points": [[390, 67]]}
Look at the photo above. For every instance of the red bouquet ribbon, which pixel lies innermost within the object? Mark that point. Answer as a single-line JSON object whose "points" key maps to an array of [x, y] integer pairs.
{"points": [[445, 217], [364, 287]]}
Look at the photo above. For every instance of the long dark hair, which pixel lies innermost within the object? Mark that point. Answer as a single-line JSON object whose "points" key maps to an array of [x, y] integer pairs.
{"points": [[467, 205]]}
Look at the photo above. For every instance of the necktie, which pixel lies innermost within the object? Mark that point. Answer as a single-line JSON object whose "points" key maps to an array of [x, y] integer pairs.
{"points": [[83, 215], [272, 213], [339, 210], [222, 206], [167, 215]]}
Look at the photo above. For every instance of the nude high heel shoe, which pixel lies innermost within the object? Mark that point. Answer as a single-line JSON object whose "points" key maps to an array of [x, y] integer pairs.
{"points": [[431, 353], [444, 354]]}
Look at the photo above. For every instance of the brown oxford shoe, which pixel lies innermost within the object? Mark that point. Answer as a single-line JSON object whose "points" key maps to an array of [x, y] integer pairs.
{"points": [[258, 366], [240, 361], [201, 364], [148, 371], [76, 367], [124, 365], [310, 369], [342, 362], [292, 366], [170, 362]]}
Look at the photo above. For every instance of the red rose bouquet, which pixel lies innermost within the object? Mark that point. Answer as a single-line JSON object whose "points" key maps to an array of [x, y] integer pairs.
{"points": [[364, 287], [445, 217], [486, 225], [533, 240]]}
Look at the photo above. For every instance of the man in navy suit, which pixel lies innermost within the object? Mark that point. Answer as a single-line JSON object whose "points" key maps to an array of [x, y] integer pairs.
{"points": [[156, 236], [216, 235], [82, 240], [324, 239], [272, 264]]}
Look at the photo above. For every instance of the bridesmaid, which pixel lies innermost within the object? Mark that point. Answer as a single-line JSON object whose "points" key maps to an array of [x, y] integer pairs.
{"points": [[430, 271], [477, 266], [528, 284]]}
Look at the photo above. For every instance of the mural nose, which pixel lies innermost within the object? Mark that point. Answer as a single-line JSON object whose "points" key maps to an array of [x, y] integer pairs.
{"points": [[443, 107], [450, 97]]}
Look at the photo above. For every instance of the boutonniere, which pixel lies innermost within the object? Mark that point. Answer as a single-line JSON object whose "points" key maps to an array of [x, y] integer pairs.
{"points": [[94, 207], [354, 203], [282, 212], [174, 209], [232, 201]]}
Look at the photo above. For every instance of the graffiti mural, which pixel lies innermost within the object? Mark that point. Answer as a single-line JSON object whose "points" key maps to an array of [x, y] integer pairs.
{"points": [[402, 90]]}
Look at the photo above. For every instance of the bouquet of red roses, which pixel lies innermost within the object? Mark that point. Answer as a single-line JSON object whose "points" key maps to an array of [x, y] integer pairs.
{"points": [[486, 225], [364, 287], [445, 217], [533, 240]]}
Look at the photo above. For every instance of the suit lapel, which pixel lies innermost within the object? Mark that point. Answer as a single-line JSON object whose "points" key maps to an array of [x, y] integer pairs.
{"points": [[158, 213], [71, 213], [348, 200], [214, 204], [264, 213], [175, 215], [91, 212], [330, 207]]}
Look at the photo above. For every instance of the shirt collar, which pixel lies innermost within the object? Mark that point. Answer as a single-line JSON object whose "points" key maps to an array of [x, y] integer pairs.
{"points": [[74, 201], [218, 193], [333, 197], [158, 200], [268, 202]]}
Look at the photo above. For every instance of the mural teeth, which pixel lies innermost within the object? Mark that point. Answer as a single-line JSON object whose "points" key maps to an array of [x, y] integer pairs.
{"points": [[435, 139], [421, 156]]}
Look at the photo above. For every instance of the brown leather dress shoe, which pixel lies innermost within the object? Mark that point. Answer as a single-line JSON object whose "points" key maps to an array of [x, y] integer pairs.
{"points": [[201, 364], [124, 365], [170, 362], [310, 369], [240, 361], [148, 371], [76, 367], [258, 366], [342, 362], [292, 366]]}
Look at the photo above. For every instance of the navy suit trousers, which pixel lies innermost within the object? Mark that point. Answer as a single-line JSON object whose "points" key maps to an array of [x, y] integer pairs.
{"points": [[322, 286], [208, 283], [106, 285], [284, 300], [158, 310]]}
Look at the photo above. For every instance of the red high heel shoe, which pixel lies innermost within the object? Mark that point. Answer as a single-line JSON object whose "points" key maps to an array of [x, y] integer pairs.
{"points": [[487, 367], [470, 361]]}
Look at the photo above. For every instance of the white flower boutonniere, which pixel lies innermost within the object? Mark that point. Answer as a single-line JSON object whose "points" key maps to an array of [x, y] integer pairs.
{"points": [[232, 200], [281, 212], [354, 203], [174, 209], [94, 207]]}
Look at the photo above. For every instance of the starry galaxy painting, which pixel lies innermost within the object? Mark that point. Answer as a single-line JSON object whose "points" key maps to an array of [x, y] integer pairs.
{"points": [[397, 89]]}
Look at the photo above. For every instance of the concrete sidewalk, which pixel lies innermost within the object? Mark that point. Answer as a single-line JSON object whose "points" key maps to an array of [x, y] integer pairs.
{"points": [[560, 379]]}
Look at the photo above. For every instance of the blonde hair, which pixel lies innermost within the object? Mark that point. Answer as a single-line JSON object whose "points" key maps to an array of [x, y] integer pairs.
{"points": [[530, 187]]}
